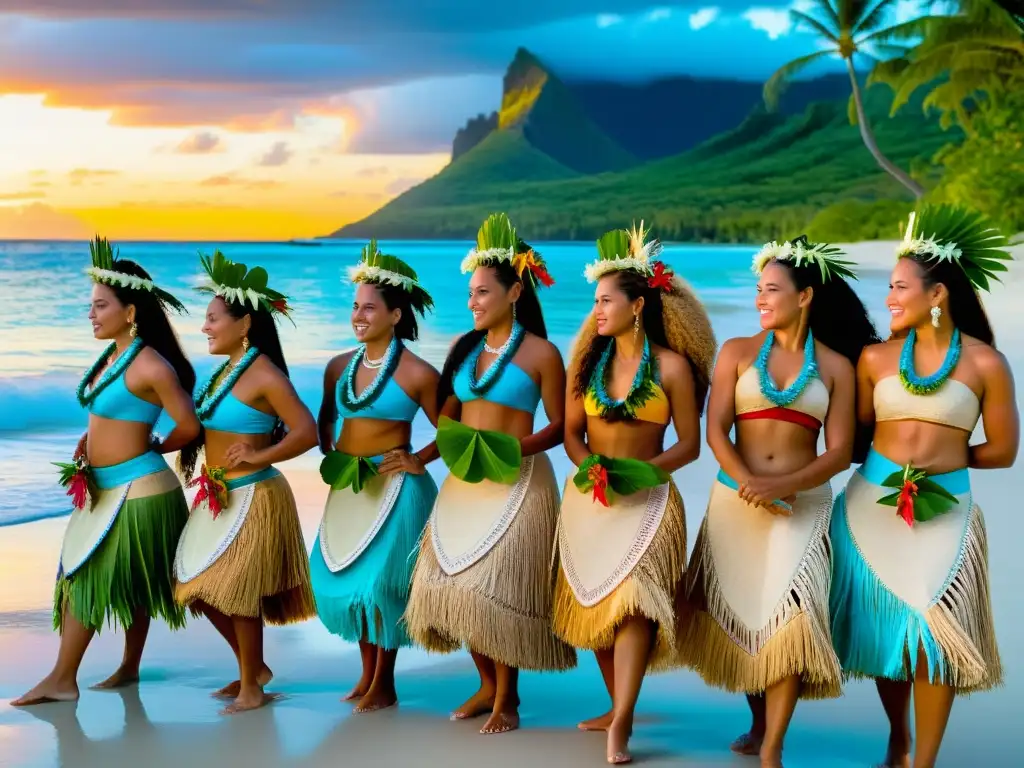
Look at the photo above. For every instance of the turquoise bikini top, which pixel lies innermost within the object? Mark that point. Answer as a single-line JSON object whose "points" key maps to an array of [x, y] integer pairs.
{"points": [[514, 388], [393, 404], [232, 415], [118, 403]]}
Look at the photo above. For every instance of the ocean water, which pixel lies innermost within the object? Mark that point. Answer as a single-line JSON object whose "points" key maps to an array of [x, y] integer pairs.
{"points": [[46, 341]]}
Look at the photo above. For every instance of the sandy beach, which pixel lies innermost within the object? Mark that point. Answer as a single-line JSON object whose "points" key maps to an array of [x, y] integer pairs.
{"points": [[170, 717]]}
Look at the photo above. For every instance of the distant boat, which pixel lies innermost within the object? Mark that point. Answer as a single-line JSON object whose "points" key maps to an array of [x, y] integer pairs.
{"points": [[306, 243]]}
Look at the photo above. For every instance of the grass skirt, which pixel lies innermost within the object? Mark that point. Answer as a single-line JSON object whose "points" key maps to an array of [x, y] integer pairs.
{"points": [[132, 567], [366, 599], [500, 605], [755, 610], [263, 571], [899, 590], [643, 584]]}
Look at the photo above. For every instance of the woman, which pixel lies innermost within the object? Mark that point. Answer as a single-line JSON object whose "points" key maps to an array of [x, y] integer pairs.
{"points": [[241, 560], [129, 508], [910, 596], [756, 617], [483, 575], [381, 495], [642, 360]]}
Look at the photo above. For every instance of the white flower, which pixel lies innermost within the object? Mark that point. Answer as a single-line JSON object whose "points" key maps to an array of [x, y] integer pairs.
{"points": [[769, 252], [602, 267], [367, 274], [475, 258]]}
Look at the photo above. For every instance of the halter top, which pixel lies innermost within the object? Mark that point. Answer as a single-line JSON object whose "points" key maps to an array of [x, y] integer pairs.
{"points": [[118, 403], [513, 389], [808, 410], [954, 404], [232, 415], [655, 410]]}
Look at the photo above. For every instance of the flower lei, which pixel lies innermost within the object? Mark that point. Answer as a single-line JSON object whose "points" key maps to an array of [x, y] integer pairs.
{"points": [[925, 385], [640, 391], [205, 406], [213, 489], [347, 390], [808, 371], [77, 477], [120, 366], [917, 498], [481, 386]]}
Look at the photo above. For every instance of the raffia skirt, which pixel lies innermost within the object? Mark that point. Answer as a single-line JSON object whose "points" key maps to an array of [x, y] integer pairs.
{"points": [[117, 556], [363, 558], [900, 590], [483, 576], [249, 560], [620, 561], [756, 605]]}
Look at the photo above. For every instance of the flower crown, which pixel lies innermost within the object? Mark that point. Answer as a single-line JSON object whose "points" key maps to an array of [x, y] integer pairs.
{"points": [[102, 271], [951, 233], [232, 281], [799, 252], [498, 242], [376, 268], [622, 249]]}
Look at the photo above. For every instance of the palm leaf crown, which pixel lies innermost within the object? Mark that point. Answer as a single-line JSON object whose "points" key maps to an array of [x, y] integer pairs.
{"points": [[956, 233], [233, 281], [624, 249], [104, 270], [376, 268], [497, 241], [801, 253]]}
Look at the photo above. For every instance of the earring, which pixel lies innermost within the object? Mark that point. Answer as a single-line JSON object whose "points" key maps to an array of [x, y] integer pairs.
{"points": [[245, 344], [936, 314], [134, 330], [513, 313], [636, 327]]}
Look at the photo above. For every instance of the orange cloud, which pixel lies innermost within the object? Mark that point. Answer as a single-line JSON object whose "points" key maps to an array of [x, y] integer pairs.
{"points": [[25, 195]]}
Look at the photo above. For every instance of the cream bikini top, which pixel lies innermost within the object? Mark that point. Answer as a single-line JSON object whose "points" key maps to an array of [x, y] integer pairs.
{"points": [[812, 403], [954, 404]]}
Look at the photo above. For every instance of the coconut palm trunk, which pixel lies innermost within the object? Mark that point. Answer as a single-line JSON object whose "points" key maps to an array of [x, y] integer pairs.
{"points": [[869, 138]]}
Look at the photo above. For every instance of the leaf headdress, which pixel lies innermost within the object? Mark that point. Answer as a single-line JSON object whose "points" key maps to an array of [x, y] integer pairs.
{"points": [[955, 233], [104, 270], [497, 242], [376, 268], [232, 281], [801, 253], [629, 249]]}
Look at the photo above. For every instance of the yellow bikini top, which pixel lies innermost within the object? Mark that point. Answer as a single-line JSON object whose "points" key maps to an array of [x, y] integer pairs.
{"points": [[751, 403], [656, 410], [954, 404]]}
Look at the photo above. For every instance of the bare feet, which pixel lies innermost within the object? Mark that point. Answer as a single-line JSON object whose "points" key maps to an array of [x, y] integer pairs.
{"points": [[230, 691], [897, 755], [48, 691], [501, 722], [748, 744], [122, 676], [361, 689], [376, 699], [246, 701], [480, 703], [597, 723], [618, 742]]}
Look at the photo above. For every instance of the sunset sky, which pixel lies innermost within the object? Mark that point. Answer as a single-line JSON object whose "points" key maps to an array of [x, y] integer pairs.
{"points": [[255, 119]]}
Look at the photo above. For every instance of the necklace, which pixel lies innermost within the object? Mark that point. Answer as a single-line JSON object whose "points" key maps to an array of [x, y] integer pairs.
{"points": [[386, 365], [505, 353], [925, 385], [115, 369], [808, 371], [640, 391], [205, 406]]}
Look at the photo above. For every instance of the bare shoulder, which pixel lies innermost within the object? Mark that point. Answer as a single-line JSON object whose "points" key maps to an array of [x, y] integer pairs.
{"points": [[265, 371], [876, 356], [741, 349], [152, 365], [987, 358], [338, 362], [417, 366], [670, 364], [831, 362], [541, 350]]}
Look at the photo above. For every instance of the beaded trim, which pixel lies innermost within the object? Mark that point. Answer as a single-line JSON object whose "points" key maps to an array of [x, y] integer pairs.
{"points": [[99, 540], [225, 542], [452, 566], [386, 505]]}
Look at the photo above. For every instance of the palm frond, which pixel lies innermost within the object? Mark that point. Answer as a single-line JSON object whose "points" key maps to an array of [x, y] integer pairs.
{"points": [[827, 9], [872, 18], [915, 29], [801, 19], [777, 83], [496, 232], [980, 243]]}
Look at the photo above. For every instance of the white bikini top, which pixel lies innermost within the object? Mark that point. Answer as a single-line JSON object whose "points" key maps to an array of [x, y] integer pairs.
{"points": [[813, 401], [954, 404]]}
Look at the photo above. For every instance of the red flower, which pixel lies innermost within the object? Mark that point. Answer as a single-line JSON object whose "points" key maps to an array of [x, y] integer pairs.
{"points": [[212, 490], [538, 271], [78, 490], [662, 277], [905, 503], [281, 305], [598, 475]]}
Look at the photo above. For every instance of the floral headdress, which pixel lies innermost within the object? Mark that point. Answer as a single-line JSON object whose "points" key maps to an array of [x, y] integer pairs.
{"points": [[232, 281], [376, 268], [102, 271], [622, 249], [799, 252], [498, 242], [952, 233]]}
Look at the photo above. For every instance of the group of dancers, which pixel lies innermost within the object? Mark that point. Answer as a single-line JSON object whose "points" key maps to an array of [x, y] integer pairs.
{"points": [[787, 591]]}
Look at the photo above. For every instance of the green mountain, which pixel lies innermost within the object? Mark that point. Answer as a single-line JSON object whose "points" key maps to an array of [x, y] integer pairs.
{"points": [[547, 161]]}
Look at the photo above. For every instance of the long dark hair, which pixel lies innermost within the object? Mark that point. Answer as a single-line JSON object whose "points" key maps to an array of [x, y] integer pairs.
{"points": [[262, 335], [635, 286], [528, 314], [394, 298], [965, 308], [152, 325]]}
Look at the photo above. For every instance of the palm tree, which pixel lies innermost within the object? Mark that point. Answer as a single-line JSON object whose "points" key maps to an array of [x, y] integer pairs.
{"points": [[849, 28]]}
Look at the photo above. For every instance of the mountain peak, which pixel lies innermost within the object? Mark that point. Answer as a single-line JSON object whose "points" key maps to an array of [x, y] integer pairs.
{"points": [[524, 82]]}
